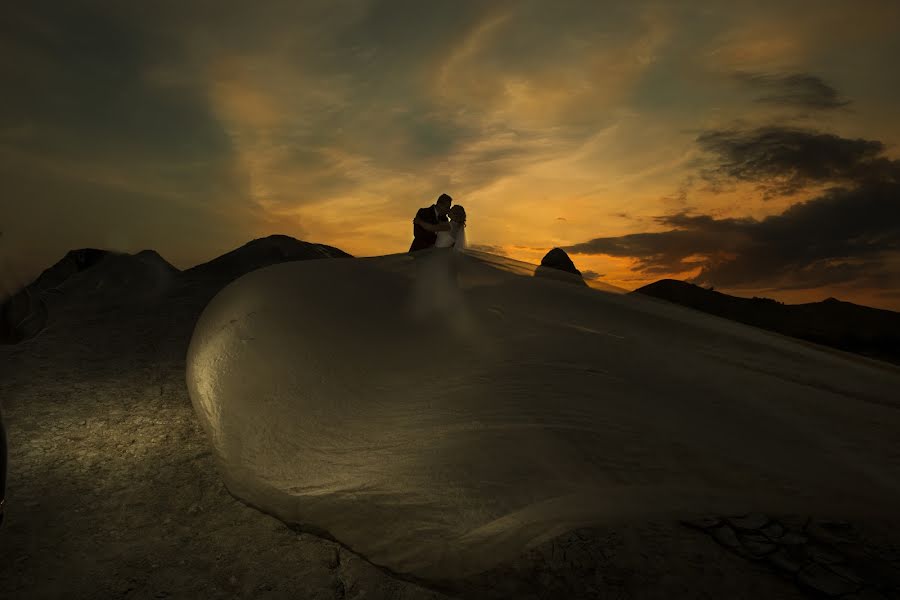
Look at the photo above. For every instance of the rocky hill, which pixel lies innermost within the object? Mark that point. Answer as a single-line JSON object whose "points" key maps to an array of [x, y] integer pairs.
{"points": [[846, 326], [107, 280]]}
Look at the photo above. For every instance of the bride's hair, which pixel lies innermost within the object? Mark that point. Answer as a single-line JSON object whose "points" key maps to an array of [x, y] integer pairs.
{"points": [[458, 213]]}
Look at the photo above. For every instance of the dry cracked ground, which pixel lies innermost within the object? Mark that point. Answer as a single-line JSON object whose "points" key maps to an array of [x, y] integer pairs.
{"points": [[113, 493]]}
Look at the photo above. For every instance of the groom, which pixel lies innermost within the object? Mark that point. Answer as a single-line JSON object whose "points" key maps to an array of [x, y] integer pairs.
{"points": [[429, 221]]}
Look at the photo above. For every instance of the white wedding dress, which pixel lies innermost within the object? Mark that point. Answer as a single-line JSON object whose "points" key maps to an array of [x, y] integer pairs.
{"points": [[455, 238], [436, 290]]}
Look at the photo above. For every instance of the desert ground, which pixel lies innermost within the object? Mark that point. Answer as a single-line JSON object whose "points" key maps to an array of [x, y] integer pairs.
{"points": [[114, 492]]}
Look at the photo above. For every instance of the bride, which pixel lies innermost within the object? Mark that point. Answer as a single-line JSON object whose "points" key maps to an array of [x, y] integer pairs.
{"points": [[456, 237], [437, 288]]}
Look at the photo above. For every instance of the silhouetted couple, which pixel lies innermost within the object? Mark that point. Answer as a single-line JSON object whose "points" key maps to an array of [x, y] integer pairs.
{"points": [[433, 229]]}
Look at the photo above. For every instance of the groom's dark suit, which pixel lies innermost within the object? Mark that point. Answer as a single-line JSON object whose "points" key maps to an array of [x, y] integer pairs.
{"points": [[422, 238]]}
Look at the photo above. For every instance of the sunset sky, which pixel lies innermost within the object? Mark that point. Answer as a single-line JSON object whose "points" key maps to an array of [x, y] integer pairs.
{"points": [[754, 146]]}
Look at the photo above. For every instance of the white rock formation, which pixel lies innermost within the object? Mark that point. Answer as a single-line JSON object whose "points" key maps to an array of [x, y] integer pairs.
{"points": [[440, 414]]}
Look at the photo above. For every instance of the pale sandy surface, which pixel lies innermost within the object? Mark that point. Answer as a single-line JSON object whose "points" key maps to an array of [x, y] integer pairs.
{"points": [[442, 429], [114, 492]]}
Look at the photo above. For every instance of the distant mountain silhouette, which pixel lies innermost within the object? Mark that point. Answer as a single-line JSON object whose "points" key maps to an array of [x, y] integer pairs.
{"points": [[104, 278], [261, 253], [73, 262], [117, 276], [850, 327]]}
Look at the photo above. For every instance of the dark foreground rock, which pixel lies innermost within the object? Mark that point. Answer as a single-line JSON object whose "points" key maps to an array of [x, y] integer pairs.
{"points": [[22, 316], [823, 556], [556, 264], [103, 280]]}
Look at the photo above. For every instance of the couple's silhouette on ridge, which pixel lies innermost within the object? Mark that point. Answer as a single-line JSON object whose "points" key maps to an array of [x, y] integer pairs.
{"points": [[441, 225]]}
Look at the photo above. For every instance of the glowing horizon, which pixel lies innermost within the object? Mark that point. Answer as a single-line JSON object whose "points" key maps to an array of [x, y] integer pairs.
{"points": [[743, 145]]}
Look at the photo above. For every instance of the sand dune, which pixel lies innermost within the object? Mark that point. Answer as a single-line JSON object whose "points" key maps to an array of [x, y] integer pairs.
{"points": [[441, 414]]}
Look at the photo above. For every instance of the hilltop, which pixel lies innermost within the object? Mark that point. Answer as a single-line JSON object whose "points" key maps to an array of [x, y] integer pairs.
{"points": [[846, 326]]}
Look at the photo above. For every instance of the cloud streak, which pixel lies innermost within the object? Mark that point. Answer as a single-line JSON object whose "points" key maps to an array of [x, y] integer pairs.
{"points": [[800, 90]]}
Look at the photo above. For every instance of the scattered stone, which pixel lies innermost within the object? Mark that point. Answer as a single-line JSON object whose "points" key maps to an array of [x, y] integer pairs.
{"points": [[757, 545], [750, 521], [792, 538], [703, 522], [725, 535], [774, 530], [124, 587], [783, 561], [832, 531], [845, 572], [823, 555], [823, 580]]}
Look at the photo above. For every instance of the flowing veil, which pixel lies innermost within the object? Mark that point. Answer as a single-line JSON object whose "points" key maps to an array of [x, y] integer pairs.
{"points": [[460, 237]]}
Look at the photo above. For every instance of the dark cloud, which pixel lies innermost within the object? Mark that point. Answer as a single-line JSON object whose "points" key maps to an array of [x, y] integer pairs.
{"points": [[840, 237], [784, 160], [589, 275], [795, 89], [77, 76], [668, 251], [80, 94], [100, 146], [848, 234]]}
